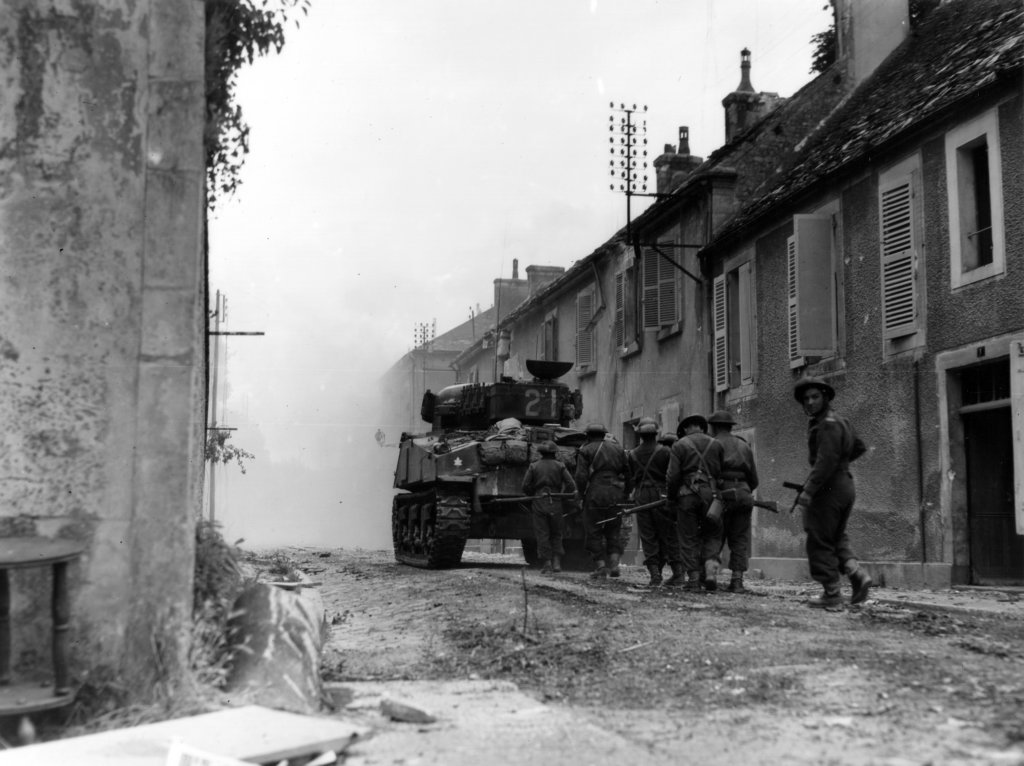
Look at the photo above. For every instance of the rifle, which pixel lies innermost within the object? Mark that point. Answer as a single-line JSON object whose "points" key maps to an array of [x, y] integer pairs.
{"points": [[530, 498], [629, 510], [794, 486], [768, 505]]}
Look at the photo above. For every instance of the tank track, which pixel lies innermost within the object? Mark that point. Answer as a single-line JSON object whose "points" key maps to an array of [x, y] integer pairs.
{"points": [[429, 529]]}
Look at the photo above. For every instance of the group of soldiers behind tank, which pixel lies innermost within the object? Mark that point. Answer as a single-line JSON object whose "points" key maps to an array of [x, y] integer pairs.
{"points": [[694, 492]]}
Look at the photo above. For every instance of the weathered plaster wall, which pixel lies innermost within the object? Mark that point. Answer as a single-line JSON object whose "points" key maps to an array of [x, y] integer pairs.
{"points": [[102, 324]]}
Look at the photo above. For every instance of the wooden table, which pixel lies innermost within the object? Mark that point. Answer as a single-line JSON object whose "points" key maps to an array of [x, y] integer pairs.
{"points": [[23, 553]]}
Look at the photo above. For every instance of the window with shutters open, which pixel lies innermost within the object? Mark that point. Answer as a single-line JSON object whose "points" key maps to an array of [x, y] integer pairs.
{"points": [[975, 197], [811, 288], [627, 339], [585, 358], [733, 323], [549, 337], [660, 296], [899, 281]]}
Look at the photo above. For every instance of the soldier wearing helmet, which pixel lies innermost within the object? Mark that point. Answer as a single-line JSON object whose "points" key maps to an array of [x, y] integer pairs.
{"points": [[546, 477], [659, 538], [827, 497], [603, 480], [694, 465], [737, 480]]}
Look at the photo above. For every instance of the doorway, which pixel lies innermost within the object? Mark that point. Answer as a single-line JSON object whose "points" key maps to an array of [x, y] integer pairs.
{"points": [[996, 550]]}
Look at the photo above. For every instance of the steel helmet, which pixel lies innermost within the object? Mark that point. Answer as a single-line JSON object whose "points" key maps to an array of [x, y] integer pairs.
{"points": [[722, 417], [547, 448], [596, 428], [668, 439], [647, 426], [808, 382]]}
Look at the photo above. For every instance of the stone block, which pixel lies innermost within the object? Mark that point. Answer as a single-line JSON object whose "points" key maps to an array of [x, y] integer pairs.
{"points": [[177, 33], [177, 116], [174, 225], [168, 323]]}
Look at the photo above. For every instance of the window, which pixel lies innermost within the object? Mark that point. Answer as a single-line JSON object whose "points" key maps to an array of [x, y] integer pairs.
{"points": [[659, 292], [549, 337], [811, 288], [974, 187], [626, 318], [733, 320], [585, 329], [898, 218]]}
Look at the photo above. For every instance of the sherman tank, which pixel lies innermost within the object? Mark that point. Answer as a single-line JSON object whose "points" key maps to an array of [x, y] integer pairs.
{"points": [[462, 480]]}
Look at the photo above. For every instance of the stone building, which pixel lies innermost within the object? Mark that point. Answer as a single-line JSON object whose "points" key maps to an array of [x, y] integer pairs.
{"points": [[888, 261], [102, 323]]}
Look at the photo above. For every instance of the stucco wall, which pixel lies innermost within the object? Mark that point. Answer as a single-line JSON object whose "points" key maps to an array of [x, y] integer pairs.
{"points": [[102, 325]]}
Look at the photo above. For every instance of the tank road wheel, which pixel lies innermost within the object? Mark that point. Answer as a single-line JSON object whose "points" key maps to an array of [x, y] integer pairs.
{"points": [[429, 532], [530, 551]]}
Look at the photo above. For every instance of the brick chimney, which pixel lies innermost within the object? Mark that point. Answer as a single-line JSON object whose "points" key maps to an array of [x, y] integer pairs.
{"points": [[744, 106], [867, 32], [672, 167], [538, 276]]}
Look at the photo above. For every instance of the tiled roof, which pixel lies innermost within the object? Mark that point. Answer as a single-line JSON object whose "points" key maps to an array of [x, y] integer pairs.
{"points": [[961, 48]]}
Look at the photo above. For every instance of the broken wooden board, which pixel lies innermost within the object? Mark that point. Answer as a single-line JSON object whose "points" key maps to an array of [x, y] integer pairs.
{"points": [[252, 733]]}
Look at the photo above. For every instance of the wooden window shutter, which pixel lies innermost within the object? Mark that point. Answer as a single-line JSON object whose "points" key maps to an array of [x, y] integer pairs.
{"points": [[620, 309], [649, 290], [721, 349], [899, 267], [584, 331], [666, 292], [1017, 410], [792, 310], [746, 320], [812, 235]]}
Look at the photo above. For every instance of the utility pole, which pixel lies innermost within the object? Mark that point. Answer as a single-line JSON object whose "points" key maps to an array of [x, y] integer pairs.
{"points": [[631, 152], [219, 315]]}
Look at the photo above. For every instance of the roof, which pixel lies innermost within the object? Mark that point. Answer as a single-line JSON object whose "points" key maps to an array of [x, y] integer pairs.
{"points": [[960, 49]]}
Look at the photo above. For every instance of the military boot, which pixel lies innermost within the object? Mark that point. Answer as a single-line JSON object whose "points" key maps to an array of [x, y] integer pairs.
{"points": [[711, 575], [545, 567], [613, 565], [556, 563], [736, 583], [601, 572], [655, 571], [860, 582], [694, 581], [831, 599], [678, 577]]}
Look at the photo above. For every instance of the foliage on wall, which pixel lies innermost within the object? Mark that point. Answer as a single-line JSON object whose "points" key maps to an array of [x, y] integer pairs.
{"points": [[237, 32]]}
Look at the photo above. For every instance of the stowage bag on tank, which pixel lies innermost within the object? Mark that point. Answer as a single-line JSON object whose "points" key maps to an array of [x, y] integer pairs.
{"points": [[504, 452]]}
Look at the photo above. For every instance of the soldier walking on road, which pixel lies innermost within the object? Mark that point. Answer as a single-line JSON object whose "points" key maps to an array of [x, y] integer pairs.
{"points": [[693, 469], [827, 497], [659, 538], [546, 477], [602, 478], [737, 481]]}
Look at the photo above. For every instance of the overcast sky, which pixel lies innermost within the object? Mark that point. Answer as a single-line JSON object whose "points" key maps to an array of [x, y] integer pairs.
{"points": [[402, 154]]}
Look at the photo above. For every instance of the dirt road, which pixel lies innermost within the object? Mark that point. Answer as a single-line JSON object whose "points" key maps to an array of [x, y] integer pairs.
{"points": [[712, 678]]}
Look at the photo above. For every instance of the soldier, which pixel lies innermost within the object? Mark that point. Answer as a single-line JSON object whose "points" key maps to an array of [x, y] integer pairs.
{"points": [[826, 499], [546, 477], [659, 538], [693, 469], [668, 439], [602, 478], [737, 481]]}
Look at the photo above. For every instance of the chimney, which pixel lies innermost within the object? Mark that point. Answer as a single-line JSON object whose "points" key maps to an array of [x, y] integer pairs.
{"points": [[515, 268], [508, 294], [744, 106], [867, 32], [672, 167], [538, 276]]}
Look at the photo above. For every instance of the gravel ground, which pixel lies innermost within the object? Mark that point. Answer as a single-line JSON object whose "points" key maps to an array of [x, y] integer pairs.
{"points": [[712, 678]]}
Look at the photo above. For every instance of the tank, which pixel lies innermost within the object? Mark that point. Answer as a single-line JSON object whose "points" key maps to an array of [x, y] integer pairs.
{"points": [[462, 480]]}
